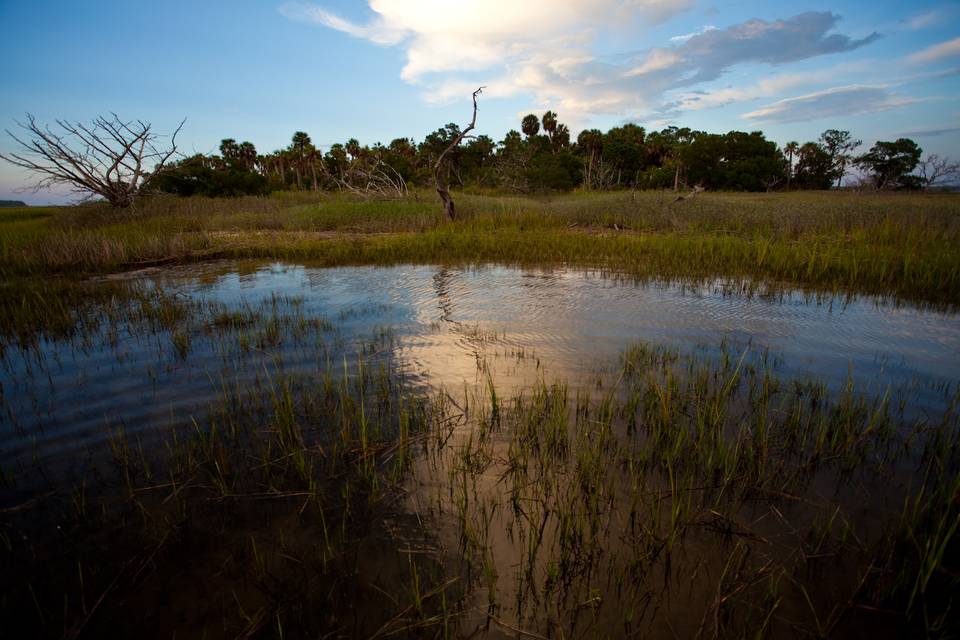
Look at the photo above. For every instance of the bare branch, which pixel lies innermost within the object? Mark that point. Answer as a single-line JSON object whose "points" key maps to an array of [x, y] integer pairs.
{"points": [[936, 169], [109, 158], [441, 184]]}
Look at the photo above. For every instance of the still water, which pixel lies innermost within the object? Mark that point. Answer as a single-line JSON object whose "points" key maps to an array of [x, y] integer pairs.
{"points": [[523, 324], [576, 539]]}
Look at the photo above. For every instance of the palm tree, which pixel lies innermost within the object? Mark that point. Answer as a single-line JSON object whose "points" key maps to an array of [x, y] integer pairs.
{"points": [[353, 148], [300, 148], [590, 146], [791, 148], [530, 125], [247, 154], [550, 123], [561, 137]]}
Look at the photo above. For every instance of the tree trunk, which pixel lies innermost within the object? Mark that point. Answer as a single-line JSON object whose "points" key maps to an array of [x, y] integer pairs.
{"points": [[448, 207], [439, 178]]}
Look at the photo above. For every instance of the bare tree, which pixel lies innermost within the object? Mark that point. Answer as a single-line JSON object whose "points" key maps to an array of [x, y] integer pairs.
{"points": [[109, 158], [439, 178], [935, 168]]}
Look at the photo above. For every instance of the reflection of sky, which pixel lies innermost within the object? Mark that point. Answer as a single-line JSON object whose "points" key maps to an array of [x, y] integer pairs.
{"points": [[569, 324]]}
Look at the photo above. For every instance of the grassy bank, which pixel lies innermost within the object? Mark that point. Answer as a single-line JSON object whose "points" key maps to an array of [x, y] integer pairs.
{"points": [[904, 245]]}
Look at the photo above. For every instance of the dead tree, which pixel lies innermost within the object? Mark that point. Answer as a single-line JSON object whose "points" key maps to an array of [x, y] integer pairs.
{"points": [[109, 158], [380, 181], [439, 178], [935, 169]]}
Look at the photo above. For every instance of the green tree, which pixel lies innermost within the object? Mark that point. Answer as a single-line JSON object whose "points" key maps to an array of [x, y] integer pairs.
{"points": [[229, 150], [549, 123], [624, 151], [211, 176], [736, 161], [475, 159], [561, 137], [890, 163], [590, 147], [530, 125], [247, 155], [300, 152], [559, 171], [839, 144], [336, 160], [814, 168], [790, 149]]}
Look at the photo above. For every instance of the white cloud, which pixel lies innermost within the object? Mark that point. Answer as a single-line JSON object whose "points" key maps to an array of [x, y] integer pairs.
{"points": [[834, 102], [924, 20], [658, 60], [771, 86], [544, 48], [476, 34], [929, 133], [687, 36], [948, 49]]}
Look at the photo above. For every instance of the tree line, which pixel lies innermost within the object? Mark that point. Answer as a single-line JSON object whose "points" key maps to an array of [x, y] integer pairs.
{"points": [[541, 156], [109, 158]]}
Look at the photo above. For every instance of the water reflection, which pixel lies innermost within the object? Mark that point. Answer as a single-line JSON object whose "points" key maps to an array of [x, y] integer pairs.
{"points": [[454, 325]]}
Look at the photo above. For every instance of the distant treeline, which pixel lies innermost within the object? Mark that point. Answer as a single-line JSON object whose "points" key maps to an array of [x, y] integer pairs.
{"points": [[12, 203], [542, 157]]}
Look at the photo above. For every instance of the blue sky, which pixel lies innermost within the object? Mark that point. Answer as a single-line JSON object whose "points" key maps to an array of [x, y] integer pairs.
{"points": [[380, 69]]}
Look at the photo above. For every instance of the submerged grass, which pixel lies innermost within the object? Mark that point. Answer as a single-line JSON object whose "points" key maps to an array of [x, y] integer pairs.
{"points": [[690, 494], [703, 497], [256, 517], [896, 244]]}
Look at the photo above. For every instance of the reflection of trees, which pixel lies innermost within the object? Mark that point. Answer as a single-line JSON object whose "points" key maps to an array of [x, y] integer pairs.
{"points": [[540, 280], [441, 284]]}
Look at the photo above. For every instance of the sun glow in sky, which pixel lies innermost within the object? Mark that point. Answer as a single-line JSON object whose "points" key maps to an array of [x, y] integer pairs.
{"points": [[381, 69]]}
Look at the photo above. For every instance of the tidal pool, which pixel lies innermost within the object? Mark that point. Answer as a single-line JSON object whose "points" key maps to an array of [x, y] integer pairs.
{"points": [[545, 484], [565, 324]]}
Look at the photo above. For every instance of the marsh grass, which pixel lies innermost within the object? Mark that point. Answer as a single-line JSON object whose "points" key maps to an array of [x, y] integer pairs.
{"points": [[264, 510], [688, 491], [696, 494], [701, 496], [901, 245]]}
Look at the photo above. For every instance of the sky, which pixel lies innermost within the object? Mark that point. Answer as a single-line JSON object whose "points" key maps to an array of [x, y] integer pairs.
{"points": [[376, 70]]}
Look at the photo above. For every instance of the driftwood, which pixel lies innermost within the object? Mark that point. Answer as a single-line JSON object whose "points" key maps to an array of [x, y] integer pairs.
{"points": [[441, 182], [697, 189]]}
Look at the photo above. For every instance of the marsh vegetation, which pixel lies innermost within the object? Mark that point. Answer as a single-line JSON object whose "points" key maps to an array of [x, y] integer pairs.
{"points": [[732, 415], [901, 245]]}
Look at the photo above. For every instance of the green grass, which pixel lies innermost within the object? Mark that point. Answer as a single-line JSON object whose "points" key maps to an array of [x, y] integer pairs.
{"points": [[902, 245]]}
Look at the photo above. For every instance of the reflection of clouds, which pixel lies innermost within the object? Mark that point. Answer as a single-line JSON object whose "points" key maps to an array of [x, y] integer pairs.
{"points": [[523, 325], [574, 320]]}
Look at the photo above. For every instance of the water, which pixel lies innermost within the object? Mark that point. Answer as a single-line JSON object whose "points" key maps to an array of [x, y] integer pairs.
{"points": [[64, 400], [524, 324]]}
